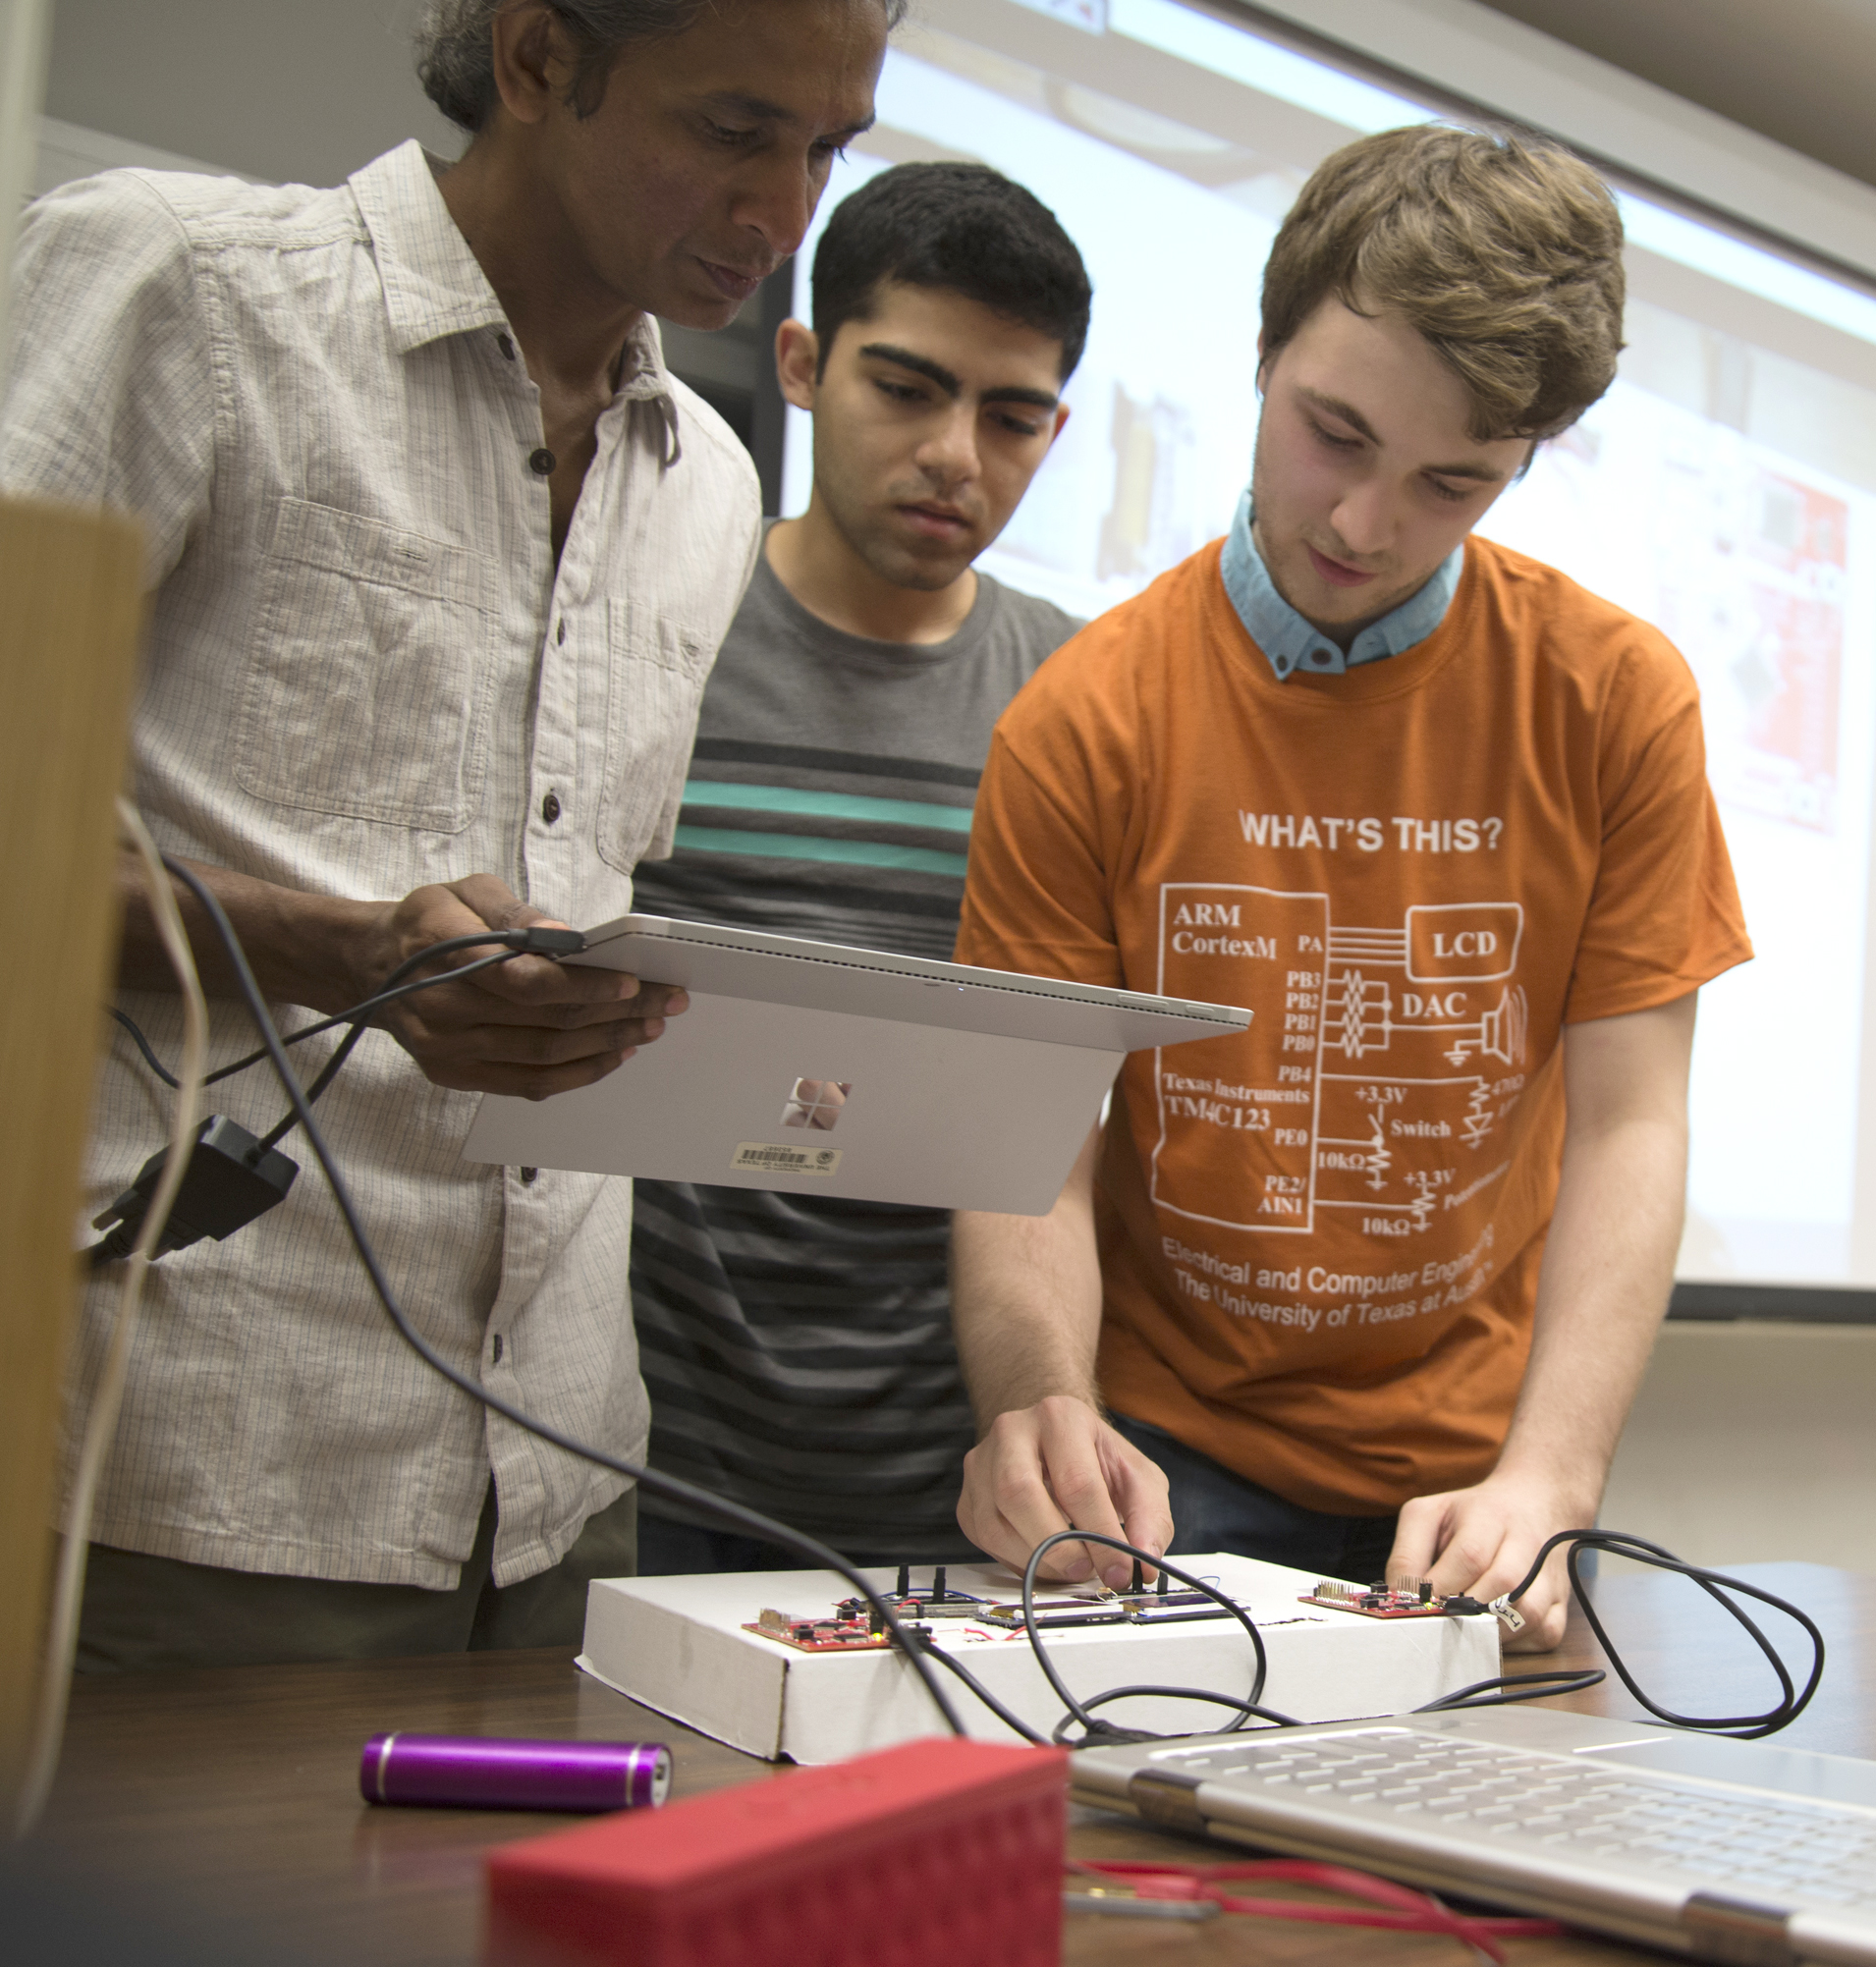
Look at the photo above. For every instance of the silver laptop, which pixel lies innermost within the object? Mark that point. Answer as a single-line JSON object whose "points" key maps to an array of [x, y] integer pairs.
{"points": [[1727, 1850], [825, 1070]]}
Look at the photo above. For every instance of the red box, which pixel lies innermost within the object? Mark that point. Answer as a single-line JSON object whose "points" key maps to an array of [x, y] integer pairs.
{"points": [[945, 1848]]}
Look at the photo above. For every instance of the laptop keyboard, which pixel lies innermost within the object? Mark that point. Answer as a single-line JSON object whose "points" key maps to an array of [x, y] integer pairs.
{"points": [[1752, 1843]]}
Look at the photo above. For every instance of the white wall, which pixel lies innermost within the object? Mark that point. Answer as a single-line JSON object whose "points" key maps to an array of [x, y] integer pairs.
{"points": [[1465, 49], [1752, 1442], [285, 91], [66, 151], [1803, 72]]}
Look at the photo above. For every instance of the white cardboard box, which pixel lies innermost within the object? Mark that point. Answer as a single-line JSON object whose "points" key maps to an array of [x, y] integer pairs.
{"points": [[677, 1645]]}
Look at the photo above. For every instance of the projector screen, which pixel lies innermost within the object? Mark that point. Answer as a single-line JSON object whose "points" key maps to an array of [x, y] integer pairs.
{"points": [[1725, 489]]}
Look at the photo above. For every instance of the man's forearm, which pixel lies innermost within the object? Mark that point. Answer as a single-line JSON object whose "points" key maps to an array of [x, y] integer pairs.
{"points": [[1607, 1275], [1608, 1267], [1027, 1300], [1608, 1271], [310, 949]]}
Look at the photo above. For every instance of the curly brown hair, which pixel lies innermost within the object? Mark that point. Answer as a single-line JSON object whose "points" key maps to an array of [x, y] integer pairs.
{"points": [[1504, 251]]}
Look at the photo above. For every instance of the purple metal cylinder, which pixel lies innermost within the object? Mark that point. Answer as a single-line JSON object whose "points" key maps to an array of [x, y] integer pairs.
{"points": [[484, 1773]]}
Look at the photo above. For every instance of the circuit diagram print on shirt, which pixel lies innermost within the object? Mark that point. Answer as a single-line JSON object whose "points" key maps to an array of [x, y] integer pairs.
{"points": [[1378, 1069]]}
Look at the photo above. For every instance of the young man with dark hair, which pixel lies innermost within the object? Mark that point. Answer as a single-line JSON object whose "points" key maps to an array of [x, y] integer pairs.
{"points": [[1363, 1284], [439, 554], [797, 1350]]}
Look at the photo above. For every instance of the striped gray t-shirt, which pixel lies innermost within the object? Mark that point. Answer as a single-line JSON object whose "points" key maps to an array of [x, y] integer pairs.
{"points": [[797, 1348]]}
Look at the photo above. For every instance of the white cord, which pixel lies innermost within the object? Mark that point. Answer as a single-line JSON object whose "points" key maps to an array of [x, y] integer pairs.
{"points": [[68, 1593]]}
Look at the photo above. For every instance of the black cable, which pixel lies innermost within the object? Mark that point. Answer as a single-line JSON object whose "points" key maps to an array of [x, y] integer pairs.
{"points": [[1559, 1680], [390, 994], [150, 1058], [750, 1521], [1111, 1735], [1082, 1710], [1014, 1721], [1716, 1585], [1505, 1690], [392, 989], [359, 1016]]}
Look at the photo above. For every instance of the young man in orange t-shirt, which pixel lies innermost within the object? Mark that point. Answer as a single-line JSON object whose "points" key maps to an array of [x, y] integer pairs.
{"points": [[1360, 1283]]}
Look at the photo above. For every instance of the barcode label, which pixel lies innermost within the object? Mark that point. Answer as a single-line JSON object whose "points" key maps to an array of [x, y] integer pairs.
{"points": [[766, 1157]]}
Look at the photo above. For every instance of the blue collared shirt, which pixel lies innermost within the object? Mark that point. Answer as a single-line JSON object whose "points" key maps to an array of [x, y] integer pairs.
{"points": [[1294, 644]]}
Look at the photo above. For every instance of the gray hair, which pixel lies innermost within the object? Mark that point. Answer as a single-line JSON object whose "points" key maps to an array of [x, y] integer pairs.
{"points": [[456, 59]]}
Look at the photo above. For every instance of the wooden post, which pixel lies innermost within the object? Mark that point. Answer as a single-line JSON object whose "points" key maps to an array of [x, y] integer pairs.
{"points": [[71, 609], [26, 42]]}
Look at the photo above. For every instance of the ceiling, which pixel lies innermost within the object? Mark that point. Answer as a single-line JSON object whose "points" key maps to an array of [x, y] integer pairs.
{"points": [[1803, 72], [280, 88]]}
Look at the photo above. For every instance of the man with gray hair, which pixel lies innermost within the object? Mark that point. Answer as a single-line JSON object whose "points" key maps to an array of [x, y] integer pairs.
{"points": [[439, 556]]}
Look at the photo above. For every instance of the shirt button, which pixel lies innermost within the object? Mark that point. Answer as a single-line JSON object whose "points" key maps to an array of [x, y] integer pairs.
{"points": [[530, 1175], [540, 461], [506, 345], [550, 808], [560, 633]]}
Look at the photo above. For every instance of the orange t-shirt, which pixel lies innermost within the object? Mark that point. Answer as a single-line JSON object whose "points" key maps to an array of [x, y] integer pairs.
{"points": [[1320, 1240]]}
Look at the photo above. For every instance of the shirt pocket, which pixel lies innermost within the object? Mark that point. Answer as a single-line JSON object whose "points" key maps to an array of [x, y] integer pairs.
{"points": [[656, 668], [368, 692]]}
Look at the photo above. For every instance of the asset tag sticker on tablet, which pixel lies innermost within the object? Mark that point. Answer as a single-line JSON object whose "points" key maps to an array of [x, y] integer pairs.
{"points": [[768, 1159]]}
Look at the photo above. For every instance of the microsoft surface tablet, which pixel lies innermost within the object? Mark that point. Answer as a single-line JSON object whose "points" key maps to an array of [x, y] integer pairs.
{"points": [[821, 1070]]}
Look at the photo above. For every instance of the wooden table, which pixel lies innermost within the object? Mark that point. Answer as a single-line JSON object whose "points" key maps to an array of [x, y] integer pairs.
{"points": [[237, 1791]]}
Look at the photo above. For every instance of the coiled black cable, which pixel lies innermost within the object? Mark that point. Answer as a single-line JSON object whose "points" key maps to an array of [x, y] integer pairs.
{"points": [[1083, 1711], [1505, 1690], [1497, 1691], [1716, 1585], [751, 1521]]}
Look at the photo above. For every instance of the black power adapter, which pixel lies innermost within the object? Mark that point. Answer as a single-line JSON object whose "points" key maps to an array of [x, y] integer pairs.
{"points": [[231, 1179], [232, 1176]]}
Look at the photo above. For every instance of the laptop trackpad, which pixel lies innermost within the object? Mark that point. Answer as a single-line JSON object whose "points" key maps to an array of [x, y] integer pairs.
{"points": [[1794, 1771]]}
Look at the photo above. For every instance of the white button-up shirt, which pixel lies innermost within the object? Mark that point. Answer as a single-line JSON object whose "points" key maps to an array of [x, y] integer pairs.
{"points": [[366, 673]]}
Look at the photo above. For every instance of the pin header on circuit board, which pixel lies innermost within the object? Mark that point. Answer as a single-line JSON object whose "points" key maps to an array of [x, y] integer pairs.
{"points": [[1408, 1597], [851, 1626]]}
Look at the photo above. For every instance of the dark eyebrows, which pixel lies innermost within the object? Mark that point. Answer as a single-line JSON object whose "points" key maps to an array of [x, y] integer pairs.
{"points": [[921, 365], [936, 372], [1482, 473], [1035, 398], [759, 109], [754, 106], [1347, 413], [1342, 412]]}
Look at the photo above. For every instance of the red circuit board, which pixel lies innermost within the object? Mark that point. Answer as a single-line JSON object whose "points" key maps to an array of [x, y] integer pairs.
{"points": [[1394, 1605], [1405, 1598], [818, 1635]]}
